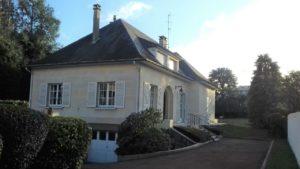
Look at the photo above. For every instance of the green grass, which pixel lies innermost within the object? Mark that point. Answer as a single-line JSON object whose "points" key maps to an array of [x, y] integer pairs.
{"points": [[242, 122], [281, 156], [231, 131]]}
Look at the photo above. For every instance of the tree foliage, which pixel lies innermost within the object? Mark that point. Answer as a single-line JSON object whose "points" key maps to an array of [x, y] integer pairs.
{"points": [[223, 79], [265, 92], [38, 29], [228, 102], [28, 31], [291, 86]]}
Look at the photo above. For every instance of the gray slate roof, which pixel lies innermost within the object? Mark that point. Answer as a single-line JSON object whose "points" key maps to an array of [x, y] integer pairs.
{"points": [[119, 41]]}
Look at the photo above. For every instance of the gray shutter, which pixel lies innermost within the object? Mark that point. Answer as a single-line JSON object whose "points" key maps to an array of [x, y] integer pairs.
{"points": [[120, 94], [92, 94], [66, 97], [160, 97], [146, 95], [43, 94]]}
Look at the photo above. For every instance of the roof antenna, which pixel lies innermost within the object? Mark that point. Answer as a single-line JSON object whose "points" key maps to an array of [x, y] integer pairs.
{"points": [[169, 29]]}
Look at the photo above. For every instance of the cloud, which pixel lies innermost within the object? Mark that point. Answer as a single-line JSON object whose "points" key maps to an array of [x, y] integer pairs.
{"points": [[235, 40], [131, 9]]}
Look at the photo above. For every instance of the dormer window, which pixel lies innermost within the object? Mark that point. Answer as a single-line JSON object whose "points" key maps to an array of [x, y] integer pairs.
{"points": [[172, 64]]}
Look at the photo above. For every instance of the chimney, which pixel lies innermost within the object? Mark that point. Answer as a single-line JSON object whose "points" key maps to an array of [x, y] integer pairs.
{"points": [[115, 18], [163, 41], [96, 22]]}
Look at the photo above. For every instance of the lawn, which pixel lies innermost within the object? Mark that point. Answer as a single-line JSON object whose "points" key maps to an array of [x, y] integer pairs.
{"points": [[281, 156], [231, 131]]}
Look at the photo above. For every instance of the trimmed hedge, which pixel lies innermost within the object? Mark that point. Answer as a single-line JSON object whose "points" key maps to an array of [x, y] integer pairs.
{"points": [[138, 134], [23, 131], [15, 102], [1, 145], [65, 146]]}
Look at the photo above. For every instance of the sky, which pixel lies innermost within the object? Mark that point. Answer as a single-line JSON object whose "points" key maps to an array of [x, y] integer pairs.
{"points": [[207, 33]]}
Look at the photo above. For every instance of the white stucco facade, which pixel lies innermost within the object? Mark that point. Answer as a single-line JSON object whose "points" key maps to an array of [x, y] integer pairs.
{"points": [[199, 99]]}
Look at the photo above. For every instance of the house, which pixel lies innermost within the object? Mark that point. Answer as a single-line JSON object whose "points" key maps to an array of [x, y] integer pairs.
{"points": [[113, 72]]}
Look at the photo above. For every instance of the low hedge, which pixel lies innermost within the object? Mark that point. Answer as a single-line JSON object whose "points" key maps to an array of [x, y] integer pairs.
{"points": [[15, 102], [148, 141], [1, 145], [23, 131], [65, 146]]}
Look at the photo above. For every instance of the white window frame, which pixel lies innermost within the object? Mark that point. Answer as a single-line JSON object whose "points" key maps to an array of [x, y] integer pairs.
{"points": [[107, 97], [58, 86]]}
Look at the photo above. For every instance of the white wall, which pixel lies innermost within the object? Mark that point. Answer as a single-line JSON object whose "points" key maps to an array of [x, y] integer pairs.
{"points": [[199, 99], [79, 78], [294, 134]]}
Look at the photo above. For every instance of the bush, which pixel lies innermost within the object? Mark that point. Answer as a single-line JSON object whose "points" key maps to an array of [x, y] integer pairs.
{"points": [[15, 102], [1, 145], [24, 132], [277, 125], [138, 134], [65, 146]]}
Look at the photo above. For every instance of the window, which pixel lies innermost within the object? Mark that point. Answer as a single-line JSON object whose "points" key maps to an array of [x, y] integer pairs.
{"points": [[106, 94], [153, 97], [161, 58], [94, 134], [111, 136], [55, 94], [182, 106], [102, 135], [172, 64]]}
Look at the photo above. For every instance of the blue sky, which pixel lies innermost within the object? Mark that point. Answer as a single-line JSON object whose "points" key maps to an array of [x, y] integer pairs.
{"points": [[207, 33], [186, 16]]}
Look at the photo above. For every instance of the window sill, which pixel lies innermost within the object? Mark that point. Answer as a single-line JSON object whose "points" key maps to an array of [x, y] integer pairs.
{"points": [[55, 107], [105, 108]]}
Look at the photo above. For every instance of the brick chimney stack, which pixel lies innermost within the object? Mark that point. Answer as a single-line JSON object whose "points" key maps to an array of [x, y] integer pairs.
{"points": [[96, 22]]}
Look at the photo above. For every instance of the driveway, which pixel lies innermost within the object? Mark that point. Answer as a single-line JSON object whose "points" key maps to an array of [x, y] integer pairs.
{"points": [[225, 154]]}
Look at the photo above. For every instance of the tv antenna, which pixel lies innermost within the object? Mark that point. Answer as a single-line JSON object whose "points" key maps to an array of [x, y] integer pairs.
{"points": [[169, 29]]}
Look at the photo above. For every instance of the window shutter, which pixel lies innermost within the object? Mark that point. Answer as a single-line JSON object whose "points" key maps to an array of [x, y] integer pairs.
{"points": [[92, 94], [120, 94], [160, 97], [146, 96], [66, 97], [43, 94]]}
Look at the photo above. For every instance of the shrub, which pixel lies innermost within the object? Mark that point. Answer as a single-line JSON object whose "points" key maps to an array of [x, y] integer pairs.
{"points": [[138, 134], [15, 102], [1, 145], [277, 125], [65, 146], [24, 132]]}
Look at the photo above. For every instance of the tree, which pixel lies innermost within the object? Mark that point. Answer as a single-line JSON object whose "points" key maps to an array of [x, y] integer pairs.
{"points": [[28, 32], [292, 91], [265, 92], [38, 29], [225, 81]]}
